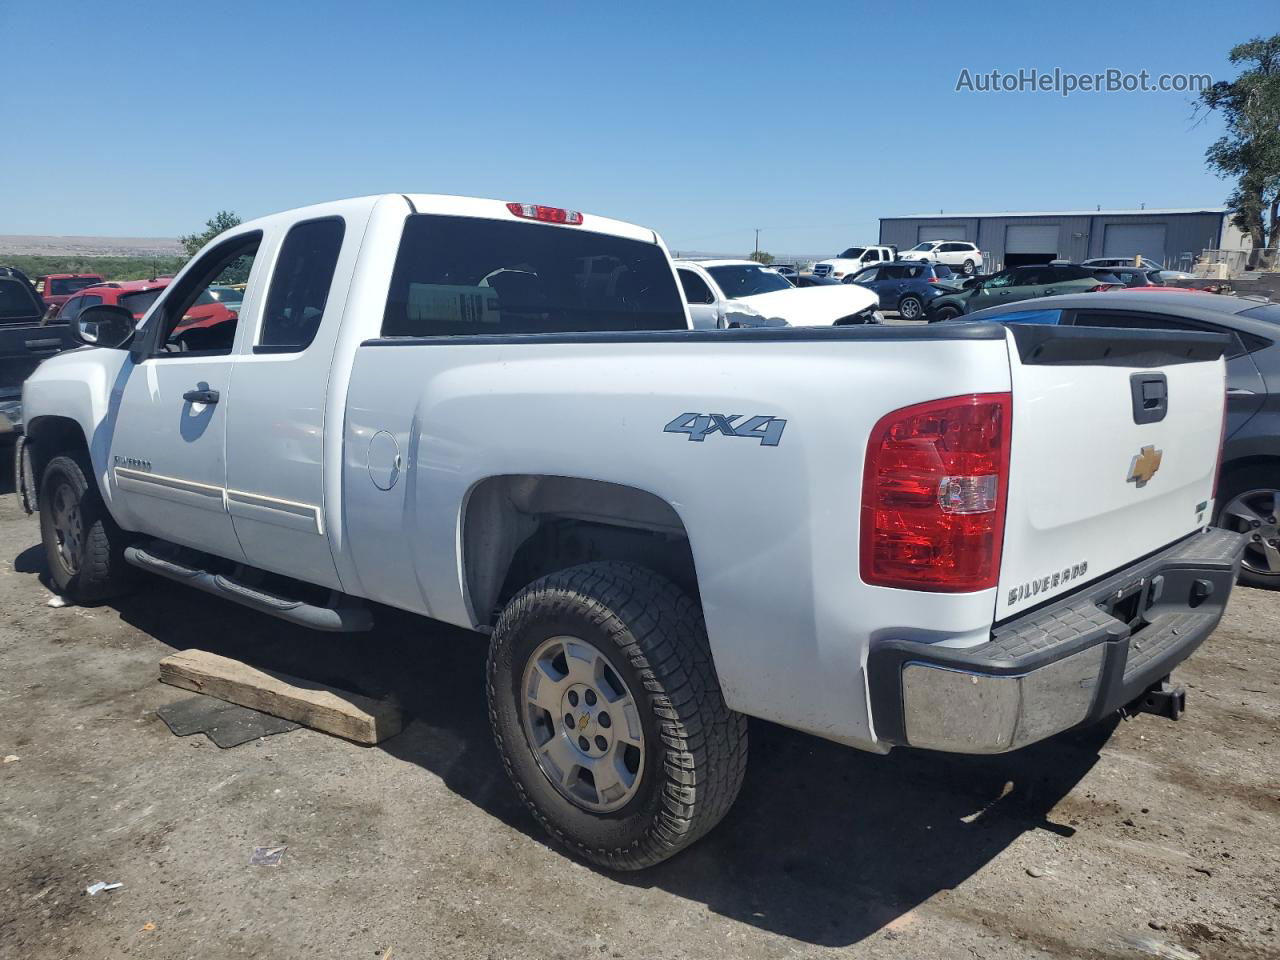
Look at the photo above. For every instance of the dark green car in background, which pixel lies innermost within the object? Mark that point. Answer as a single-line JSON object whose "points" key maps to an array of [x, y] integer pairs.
{"points": [[1017, 283]]}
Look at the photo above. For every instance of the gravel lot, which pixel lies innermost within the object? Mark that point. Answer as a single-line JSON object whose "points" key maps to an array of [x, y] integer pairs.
{"points": [[1136, 839]]}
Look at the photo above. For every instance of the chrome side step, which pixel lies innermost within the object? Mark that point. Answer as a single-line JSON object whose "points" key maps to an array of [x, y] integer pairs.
{"points": [[344, 615]]}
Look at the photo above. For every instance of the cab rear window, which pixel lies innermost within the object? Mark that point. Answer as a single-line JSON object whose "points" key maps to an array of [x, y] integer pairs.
{"points": [[65, 285], [467, 276]]}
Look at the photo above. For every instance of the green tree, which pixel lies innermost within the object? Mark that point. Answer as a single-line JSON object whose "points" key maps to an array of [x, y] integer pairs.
{"points": [[219, 222], [761, 256], [1249, 151]]}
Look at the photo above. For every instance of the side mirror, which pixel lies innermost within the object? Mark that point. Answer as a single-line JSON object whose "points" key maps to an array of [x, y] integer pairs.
{"points": [[104, 326]]}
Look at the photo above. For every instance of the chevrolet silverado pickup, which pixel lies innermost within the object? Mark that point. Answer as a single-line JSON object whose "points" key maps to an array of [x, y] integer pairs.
{"points": [[962, 537]]}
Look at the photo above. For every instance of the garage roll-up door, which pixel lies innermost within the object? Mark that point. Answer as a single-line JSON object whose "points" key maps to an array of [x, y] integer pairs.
{"points": [[947, 231], [1128, 239], [1026, 238]]}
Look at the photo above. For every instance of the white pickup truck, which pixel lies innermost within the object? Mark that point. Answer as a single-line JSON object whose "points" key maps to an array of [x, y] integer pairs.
{"points": [[964, 537]]}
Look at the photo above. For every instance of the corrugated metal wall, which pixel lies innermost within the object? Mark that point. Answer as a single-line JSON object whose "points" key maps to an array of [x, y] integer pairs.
{"points": [[1079, 237]]}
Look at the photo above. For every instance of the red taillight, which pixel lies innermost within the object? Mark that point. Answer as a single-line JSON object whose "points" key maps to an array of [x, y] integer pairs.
{"points": [[934, 492], [536, 211]]}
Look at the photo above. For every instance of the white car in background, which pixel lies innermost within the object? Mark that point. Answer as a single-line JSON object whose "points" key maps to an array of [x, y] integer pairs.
{"points": [[724, 293], [854, 259], [960, 255]]}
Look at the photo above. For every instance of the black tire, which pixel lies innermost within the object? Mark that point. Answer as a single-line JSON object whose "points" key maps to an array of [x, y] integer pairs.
{"points": [[910, 307], [89, 566], [944, 313], [967, 268], [1254, 486], [694, 747]]}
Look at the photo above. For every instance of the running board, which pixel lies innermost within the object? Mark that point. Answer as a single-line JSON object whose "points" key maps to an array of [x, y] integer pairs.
{"points": [[346, 617]]}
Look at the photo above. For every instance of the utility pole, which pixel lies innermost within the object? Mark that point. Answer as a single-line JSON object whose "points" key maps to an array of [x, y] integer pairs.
{"points": [[756, 255]]}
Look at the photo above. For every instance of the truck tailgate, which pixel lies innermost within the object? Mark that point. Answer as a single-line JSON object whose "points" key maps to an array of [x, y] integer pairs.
{"points": [[1115, 441]]}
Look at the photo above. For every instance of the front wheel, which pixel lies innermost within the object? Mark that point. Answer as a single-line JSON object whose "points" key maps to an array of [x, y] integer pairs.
{"points": [[968, 268], [910, 308], [944, 313], [83, 546], [608, 715]]}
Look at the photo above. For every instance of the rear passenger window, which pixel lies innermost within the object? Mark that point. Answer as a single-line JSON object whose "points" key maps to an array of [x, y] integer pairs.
{"points": [[300, 285], [466, 276]]}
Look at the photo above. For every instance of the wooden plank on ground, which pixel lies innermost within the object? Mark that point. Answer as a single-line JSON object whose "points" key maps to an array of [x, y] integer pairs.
{"points": [[343, 714]]}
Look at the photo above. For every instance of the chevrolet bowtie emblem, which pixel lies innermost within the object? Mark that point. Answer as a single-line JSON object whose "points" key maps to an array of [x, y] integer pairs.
{"points": [[1145, 465]]}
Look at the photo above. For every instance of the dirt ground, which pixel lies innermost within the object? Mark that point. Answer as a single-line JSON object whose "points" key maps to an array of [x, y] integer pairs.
{"points": [[1136, 839]]}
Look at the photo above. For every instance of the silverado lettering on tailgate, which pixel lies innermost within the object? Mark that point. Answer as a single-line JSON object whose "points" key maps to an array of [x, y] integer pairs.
{"points": [[1055, 579], [699, 426]]}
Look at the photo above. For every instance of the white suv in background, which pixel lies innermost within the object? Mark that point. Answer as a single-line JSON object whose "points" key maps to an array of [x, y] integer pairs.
{"points": [[853, 260], [954, 253]]}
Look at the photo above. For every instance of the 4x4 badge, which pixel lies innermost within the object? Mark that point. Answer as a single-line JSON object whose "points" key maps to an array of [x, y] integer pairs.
{"points": [[699, 426], [1145, 465]]}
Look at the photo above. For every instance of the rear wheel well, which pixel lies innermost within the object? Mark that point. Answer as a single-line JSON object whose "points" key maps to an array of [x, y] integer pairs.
{"points": [[521, 527]]}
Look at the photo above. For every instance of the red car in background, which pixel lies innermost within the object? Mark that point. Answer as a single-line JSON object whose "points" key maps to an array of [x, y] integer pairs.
{"points": [[57, 288], [137, 296]]}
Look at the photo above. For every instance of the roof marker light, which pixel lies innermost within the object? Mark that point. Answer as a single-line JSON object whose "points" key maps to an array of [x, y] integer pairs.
{"points": [[536, 211]]}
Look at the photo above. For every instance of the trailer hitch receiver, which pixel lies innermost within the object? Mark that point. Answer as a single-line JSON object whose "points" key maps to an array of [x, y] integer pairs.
{"points": [[1164, 699]]}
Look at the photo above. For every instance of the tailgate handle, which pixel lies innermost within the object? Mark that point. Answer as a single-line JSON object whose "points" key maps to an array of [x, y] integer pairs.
{"points": [[1150, 397]]}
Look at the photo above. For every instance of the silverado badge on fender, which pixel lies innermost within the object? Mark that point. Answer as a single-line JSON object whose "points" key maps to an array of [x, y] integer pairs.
{"points": [[1145, 465], [768, 430]]}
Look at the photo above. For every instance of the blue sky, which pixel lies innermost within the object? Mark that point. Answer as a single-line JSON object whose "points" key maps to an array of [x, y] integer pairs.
{"points": [[702, 120]]}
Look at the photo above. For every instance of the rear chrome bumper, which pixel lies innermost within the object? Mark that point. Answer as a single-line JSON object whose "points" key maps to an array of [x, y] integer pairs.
{"points": [[1073, 661]]}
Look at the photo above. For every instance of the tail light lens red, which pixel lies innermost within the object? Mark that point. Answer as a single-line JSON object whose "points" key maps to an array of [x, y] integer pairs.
{"points": [[934, 494], [536, 211]]}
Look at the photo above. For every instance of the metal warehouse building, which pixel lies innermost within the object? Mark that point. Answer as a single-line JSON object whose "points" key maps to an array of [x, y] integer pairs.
{"points": [[1169, 237]]}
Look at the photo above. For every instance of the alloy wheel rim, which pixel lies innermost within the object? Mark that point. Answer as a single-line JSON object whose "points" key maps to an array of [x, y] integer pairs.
{"points": [[582, 724], [909, 309], [68, 529], [1255, 513]]}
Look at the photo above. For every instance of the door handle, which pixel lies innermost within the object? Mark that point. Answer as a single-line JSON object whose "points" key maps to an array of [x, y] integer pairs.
{"points": [[1240, 392], [201, 396], [50, 345]]}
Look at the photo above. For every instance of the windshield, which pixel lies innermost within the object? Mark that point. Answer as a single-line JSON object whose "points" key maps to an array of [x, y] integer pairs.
{"points": [[747, 280], [853, 253], [71, 284], [226, 294], [139, 303], [927, 245]]}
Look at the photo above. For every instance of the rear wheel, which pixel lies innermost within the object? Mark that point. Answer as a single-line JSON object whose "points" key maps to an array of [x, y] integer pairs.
{"points": [[910, 307], [968, 268], [608, 715], [1250, 502], [83, 546]]}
